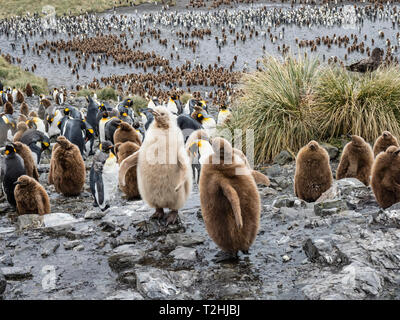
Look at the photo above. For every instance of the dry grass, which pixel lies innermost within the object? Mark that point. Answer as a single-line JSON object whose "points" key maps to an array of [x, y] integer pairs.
{"points": [[276, 105], [11, 75], [291, 102], [21, 7]]}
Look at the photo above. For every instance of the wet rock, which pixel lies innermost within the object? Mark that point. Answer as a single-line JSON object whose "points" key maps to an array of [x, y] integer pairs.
{"points": [[184, 253], [280, 182], [95, 214], [79, 248], [274, 171], [6, 260], [57, 224], [269, 192], [332, 150], [184, 239], [80, 231], [29, 221], [330, 207], [7, 230], [289, 202], [283, 158], [125, 295], [125, 257], [127, 277], [49, 249], [152, 227], [155, 283], [354, 281], [71, 244], [3, 284], [389, 217], [16, 273], [324, 251], [350, 188]]}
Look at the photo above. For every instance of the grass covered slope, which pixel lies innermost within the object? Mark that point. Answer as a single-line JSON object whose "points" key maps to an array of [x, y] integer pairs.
{"points": [[21, 7], [11, 75], [288, 103]]}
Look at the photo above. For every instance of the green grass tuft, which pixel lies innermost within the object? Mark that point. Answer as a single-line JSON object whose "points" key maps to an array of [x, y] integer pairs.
{"points": [[14, 76]]}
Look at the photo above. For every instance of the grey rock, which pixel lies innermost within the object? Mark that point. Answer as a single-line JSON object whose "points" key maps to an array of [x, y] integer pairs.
{"points": [[288, 202], [269, 192], [332, 150], [71, 244], [184, 239], [283, 158], [349, 188], [125, 295], [324, 251], [79, 248], [95, 214], [7, 230], [29, 221], [274, 171], [49, 249], [161, 284], [330, 207], [281, 182], [16, 273], [125, 257], [3, 284], [184, 253], [6, 260]]}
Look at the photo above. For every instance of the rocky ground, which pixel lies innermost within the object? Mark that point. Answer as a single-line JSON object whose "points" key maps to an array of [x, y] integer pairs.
{"points": [[343, 247]]}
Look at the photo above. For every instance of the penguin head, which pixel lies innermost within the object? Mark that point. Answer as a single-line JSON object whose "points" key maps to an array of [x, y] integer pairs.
{"points": [[386, 135], [129, 102], [123, 114], [105, 115], [391, 149], [357, 140], [63, 142], [313, 145], [223, 107], [24, 181], [22, 126], [45, 144], [161, 116], [9, 150], [222, 148], [67, 111]]}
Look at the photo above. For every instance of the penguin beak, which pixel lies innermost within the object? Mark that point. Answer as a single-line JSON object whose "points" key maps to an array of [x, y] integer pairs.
{"points": [[17, 182]]}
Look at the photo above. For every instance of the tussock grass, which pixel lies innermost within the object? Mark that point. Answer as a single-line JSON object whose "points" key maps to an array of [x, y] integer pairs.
{"points": [[107, 93], [11, 75], [277, 105], [291, 102], [361, 104], [21, 7]]}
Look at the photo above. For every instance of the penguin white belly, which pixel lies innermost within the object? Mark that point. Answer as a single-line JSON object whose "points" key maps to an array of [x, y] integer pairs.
{"points": [[110, 180], [210, 126], [40, 125], [222, 116], [35, 158], [10, 136], [53, 128], [101, 129], [171, 106], [186, 109]]}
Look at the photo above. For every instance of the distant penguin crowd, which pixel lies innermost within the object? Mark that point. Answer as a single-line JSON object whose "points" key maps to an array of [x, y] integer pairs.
{"points": [[157, 153]]}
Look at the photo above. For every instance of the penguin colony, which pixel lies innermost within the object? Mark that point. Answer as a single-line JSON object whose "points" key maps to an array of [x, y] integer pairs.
{"points": [[112, 40], [228, 187]]}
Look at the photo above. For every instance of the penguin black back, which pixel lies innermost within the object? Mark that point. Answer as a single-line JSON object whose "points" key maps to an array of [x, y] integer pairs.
{"points": [[14, 168]]}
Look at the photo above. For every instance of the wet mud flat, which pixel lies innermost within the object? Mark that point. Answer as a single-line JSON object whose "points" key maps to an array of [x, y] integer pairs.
{"points": [[268, 28]]}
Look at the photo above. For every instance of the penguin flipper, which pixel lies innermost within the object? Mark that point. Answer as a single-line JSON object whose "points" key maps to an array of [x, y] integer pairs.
{"points": [[232, 196], [126, 164], [35, 174], [99, 190], [260, 178]]}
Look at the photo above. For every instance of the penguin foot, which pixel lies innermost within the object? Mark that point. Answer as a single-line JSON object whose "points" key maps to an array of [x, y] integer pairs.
{"points": [[159, 214], [223, 256], [245, 251], [95, 204], [172, 217]]}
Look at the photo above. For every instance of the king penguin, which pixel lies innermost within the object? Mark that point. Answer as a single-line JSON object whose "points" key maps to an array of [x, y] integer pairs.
{"points": [[104, 176], [13, 169]]}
